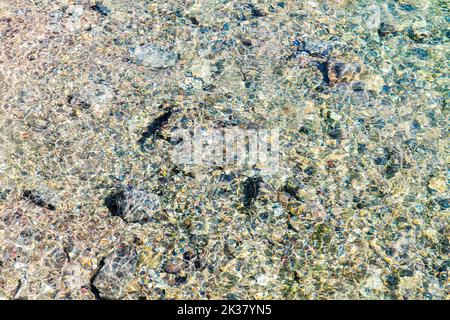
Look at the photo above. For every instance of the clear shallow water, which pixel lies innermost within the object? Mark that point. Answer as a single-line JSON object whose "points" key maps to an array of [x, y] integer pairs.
{"points": [[357, 206]]}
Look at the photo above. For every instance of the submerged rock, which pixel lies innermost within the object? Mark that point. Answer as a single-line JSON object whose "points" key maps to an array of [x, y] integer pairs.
{"points": [[101, 9], [339, 71], [37, 199], [113, 277], [75, 12], [133, 205], [93, 96], [153, 57], [251, 190]]}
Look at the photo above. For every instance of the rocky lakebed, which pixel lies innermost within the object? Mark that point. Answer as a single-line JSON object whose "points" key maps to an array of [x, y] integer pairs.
{"points": [[337, 113]]}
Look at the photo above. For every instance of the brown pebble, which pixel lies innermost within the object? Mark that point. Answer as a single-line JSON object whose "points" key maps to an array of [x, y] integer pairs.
{"points": [[189, 255], [187, 223], [283, 198], [172, 268]]}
